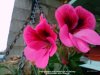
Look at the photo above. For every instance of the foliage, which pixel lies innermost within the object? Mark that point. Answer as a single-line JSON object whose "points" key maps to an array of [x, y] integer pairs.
{"points": [[6, 69]]}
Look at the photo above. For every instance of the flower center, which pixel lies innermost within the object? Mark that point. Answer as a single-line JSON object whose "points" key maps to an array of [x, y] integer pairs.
{"points": [[78, 27], [47, 45], [69, 23], [80, 24], [45, 33]]}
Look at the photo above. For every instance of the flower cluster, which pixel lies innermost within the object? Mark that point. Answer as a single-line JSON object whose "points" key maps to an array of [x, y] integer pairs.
{"points": [[76, 30], [77, 27]]}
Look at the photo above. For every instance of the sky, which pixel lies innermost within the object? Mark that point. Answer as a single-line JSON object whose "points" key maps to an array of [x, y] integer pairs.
{"points": [[6, 9]]}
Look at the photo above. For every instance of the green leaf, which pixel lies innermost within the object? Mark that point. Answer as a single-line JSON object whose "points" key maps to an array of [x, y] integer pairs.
{"points": [[75, 57], [98, 23], [34, 70], [54, 59], [50, 67], [93, 6]]}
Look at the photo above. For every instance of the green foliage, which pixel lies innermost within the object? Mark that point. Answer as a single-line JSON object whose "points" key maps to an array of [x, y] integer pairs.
{"points": [[34, 70], [6, 69], [98, 23], [54, 59], [93, 6]]}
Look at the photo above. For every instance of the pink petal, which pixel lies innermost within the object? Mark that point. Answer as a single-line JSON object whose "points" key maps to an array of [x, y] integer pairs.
{"points": [[30, 35], [31, 54], [39, 58], [37, 45], [64, 36], [81, 45], [44, 30], [87, 18], [42, 61], [53, 48], [66, 14], [42, 18], [88, 36]]}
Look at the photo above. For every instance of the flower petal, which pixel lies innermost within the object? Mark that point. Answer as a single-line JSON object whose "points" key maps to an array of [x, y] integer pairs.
{"points": [[89, 36], [81, 45], [66, 14], [86, 18], [32, 56], [42, 18], [44, 30], [30, 35], [53, 48], [64, 36], [42, 61], [37, 45]]}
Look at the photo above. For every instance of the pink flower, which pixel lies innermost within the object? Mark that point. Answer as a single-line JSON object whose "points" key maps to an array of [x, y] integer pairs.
{"points": [[77, 27], [40, 43]]}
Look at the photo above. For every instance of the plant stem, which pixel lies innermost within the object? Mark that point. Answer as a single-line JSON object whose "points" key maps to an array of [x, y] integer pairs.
{"points": [[34, 70], [58, 57]]}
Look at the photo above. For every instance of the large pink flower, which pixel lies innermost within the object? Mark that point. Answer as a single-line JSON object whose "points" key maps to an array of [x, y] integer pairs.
{"points": [[76, 27], [40, 43]]}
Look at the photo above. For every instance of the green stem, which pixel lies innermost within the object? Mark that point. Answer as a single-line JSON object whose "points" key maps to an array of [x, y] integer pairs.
{"points": [[34, 70], [58, 57]]}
